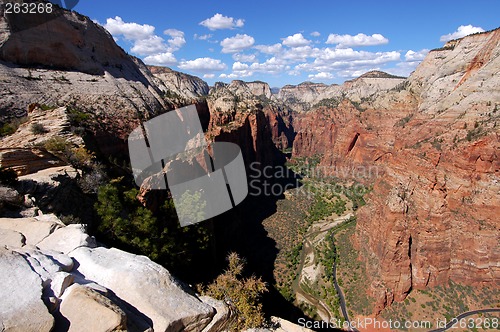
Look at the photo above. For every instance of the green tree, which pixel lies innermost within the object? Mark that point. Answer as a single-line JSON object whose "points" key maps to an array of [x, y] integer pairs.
{"points": [[125, 223], [191, 209]]}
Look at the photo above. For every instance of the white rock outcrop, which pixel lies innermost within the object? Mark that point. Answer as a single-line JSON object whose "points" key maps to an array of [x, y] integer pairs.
{"points": [[21, 307], [57, 278]]}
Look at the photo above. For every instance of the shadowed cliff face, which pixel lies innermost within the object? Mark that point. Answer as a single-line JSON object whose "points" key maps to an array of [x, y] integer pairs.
{"points": [[430, 147]]}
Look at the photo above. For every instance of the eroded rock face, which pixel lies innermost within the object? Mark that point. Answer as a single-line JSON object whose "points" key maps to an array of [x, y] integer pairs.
{"points": [[58, 277], [184, 85], [239, 115], [430, 146], [307, 95]]}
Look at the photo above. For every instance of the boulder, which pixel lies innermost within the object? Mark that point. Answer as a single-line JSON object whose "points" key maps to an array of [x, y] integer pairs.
{"points": [[21, 307], [87, 310], [221, 317], [43, 265], [34, 229], [146, 286], [10, 196], [11, 239], [67, 239], [60, 282], [286, 326]]}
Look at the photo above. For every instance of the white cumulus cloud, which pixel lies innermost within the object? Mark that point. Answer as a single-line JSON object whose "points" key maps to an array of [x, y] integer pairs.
{"points": [[203, 37], [315, 34], [203, 65], [462, 31], [244, 57], [143, 38], [130, 31], [296, 40], [237, 43], [177, 38], [322, 76], [148, 46], [412, 60], [358, 40], [219, 21], [270, 49], [162, 59], [416, 56], [270, 66]]}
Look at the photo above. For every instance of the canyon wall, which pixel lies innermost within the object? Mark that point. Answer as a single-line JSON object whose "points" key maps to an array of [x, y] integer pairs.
{"points": [[429, 146]]}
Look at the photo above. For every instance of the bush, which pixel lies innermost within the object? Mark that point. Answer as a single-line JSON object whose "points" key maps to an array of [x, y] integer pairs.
{"points": [[38, 129], [78, 157], [242, 294], [78, 117], [10, 128], [56, 144], [7, 129]]}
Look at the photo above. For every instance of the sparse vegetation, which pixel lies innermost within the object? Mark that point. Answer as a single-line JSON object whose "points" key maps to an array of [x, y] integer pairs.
{"points": [[11, 127], [323, 208], [404, 121], [77, 117], [241, 294], [436, 143], [327, 102], [351, 272], [38, 129], [443, 302], [475, 133]]}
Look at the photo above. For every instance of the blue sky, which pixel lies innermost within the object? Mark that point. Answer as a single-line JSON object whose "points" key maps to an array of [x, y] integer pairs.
{"points": [[287, 42]]}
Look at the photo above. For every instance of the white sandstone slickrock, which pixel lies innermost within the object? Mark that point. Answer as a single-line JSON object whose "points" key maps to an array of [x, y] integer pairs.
{"points": [[58, 278], [87, 310], [21, 307], [146, 285]]}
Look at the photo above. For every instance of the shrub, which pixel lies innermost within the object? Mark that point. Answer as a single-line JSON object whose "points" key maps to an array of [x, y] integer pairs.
{"points": [[7, 129], [56, 144], [402, 122], [80, 157], [10, 127], [45, 107], [77, 117], [38, 128], [242, 294]]}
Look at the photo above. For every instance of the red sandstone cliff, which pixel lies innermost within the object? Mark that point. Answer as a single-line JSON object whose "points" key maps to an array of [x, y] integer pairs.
{"points": [[433, 214]]}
